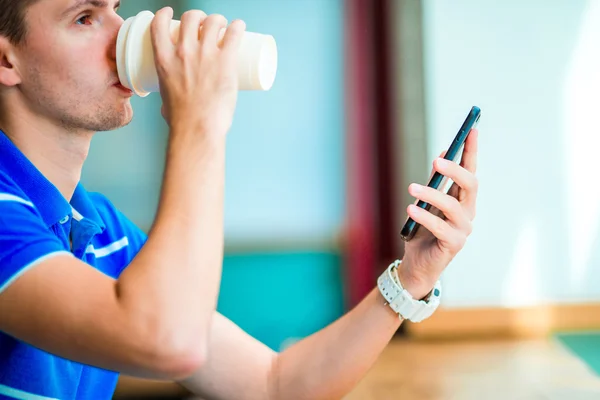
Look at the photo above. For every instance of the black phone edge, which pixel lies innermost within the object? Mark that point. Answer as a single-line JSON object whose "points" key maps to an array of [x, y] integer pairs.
{"points": [[410, 226]]}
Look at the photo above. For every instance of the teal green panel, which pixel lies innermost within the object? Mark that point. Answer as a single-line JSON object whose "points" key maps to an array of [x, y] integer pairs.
{"points": [[586, 345], [275, 297]]}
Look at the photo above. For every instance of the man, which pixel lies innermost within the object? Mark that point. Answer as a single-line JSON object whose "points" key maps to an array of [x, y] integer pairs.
{"points": [[83, 292]]}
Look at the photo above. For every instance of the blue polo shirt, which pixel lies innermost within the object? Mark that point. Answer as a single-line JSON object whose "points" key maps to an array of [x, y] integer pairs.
{"points": [[36, 222]]}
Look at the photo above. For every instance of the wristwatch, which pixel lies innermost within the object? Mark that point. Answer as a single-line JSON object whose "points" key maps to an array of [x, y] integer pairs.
{"points": [[401, 301]]}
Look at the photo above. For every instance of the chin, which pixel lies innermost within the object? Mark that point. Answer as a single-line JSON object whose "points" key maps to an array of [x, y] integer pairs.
{"points": [[124, 118], [112, 122], [97, 117], [127, 116]]}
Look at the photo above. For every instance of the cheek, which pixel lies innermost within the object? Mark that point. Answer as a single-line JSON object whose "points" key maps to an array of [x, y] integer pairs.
{"points": [[66, 62], [47, 61]]}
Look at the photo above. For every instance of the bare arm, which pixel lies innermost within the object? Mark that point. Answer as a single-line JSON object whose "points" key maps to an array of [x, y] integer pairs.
{"points": [[153, 321], [325, 365], [238, 366], [329, 363]]}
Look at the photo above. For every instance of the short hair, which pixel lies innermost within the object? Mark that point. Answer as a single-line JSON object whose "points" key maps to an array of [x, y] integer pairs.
{"points": [[12, 19]]}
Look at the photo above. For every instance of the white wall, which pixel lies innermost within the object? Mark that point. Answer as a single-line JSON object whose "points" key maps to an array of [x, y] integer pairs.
{"points": [[534, 69], [285, 155]]}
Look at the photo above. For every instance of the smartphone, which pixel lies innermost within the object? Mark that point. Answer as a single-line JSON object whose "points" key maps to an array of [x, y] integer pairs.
{"points": [[454, 151]]}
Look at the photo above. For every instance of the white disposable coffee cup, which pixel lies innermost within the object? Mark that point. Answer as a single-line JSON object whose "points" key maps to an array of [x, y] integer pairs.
{"points": [[257, 57]]}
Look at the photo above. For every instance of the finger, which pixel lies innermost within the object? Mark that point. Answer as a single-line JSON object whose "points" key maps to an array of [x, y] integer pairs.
{"points": [[190, 27], [444, 181], [468, 198], [442, 154], [160, 33], [448, 237], [454, 191], [469, 203], [469, 156], [461, 176], [448, 205], [212, 25], [233, 36]]}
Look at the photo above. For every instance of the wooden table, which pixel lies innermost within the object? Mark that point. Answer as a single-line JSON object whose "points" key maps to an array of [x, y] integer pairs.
{"points": [[455, 370]]}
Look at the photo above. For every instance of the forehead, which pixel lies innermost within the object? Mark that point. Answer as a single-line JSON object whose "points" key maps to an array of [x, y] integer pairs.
{"points": [[53, 5], [63, 8]]}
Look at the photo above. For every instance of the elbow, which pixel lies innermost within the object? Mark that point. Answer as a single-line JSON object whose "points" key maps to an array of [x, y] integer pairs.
{"points": [[175, 357], [178, 364]]}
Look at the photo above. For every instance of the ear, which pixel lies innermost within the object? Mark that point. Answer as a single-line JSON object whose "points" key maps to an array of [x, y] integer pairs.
{"points": [[9, 75]]}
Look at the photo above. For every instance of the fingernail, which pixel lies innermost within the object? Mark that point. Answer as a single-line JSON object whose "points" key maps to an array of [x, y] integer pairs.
{"points": [[413, 209], [442, 162], [417, 188]]}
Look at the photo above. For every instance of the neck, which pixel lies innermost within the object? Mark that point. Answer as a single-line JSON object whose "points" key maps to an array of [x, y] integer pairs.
{"points": [[56, 152]]}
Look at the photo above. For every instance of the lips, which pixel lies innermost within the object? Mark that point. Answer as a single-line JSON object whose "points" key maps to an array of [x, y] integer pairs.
{"points": [[118, 85]]}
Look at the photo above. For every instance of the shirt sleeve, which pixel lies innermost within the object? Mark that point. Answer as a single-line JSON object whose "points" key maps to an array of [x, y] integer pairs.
{"points": [[137, 237], [121, 226], [25, 240]]}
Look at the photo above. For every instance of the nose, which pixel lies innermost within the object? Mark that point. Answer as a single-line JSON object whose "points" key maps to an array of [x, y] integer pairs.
{"points": [[113, 39]]}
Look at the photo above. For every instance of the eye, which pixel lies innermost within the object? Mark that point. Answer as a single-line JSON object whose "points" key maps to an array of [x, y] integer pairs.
{"points": [[84, 20]]}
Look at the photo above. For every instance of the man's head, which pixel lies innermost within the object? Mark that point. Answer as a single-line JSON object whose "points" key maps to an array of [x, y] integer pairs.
{"points": [[58, 61]]}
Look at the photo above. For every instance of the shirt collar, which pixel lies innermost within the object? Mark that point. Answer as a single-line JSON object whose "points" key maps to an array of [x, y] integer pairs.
{"points": [[43, 194], [82, 204]]}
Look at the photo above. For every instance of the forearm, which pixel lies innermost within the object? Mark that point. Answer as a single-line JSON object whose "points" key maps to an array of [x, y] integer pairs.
{"points": [[172, 286], [328, 364]]}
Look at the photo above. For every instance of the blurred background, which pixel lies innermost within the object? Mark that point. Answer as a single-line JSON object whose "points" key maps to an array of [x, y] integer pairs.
{"points": [[367, 94]]}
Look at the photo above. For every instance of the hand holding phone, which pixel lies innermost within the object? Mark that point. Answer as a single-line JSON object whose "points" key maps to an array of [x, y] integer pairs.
{"points": [[454, 151]]}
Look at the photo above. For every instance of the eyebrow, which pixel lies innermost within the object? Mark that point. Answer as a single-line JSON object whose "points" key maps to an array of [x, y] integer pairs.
{"points": [[84, 3]]}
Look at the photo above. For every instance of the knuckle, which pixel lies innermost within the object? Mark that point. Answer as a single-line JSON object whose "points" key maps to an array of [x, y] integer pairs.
{"points": [[160, 12], [469, 228], [221, 19], [431, 195], [182, 52], [458, 242], [185, 16], [439, 227], [241, 23], [192, 15], [161, 15], [455, 206], [198, 13], [216, 19], [474, 186]]}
